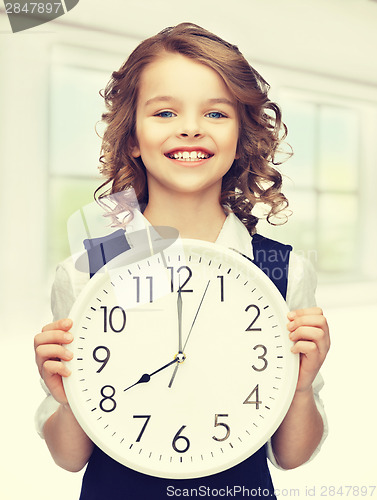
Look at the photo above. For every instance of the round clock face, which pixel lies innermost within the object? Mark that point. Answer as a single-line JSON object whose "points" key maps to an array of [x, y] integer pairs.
{"points": [[182, 365]]}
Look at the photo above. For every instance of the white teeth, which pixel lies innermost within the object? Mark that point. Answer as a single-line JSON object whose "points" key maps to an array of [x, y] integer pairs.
{"points": [[189, 155]]}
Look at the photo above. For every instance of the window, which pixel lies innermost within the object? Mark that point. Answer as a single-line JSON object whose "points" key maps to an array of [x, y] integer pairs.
{"points": [[324, 180], [76, 77]]}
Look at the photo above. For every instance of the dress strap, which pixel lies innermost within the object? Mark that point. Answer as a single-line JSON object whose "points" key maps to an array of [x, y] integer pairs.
{"points": [[102, 250], [272, 257]]}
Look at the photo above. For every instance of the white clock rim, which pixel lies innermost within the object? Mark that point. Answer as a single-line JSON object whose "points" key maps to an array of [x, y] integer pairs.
{"points": [[68, 382]]}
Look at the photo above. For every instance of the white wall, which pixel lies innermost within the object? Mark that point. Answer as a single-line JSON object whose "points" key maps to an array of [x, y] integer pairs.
{"points": [[322, 38]]}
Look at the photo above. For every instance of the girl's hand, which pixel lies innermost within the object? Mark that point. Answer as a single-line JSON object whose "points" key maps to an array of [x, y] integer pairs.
{"points": [[49, 354], [309, 330]]}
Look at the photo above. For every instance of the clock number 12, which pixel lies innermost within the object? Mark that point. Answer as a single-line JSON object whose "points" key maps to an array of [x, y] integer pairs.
{"points": [[178, 271]]}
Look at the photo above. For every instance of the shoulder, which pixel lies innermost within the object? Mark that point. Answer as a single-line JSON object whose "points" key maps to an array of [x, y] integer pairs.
{"points": [[302, 282], [66, 287]]}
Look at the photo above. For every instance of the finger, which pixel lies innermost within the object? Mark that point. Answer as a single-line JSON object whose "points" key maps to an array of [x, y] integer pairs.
{"points": [[312, 334], [52, 367], [308, 311], [62, 324], [53, 351], [52, 337], [307, 348], [317, 321]]}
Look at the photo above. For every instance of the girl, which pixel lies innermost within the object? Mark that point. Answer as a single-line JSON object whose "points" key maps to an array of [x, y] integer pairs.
{"points": [[191, 129]]}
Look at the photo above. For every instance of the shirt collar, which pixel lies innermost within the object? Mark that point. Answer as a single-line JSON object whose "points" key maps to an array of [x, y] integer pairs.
{"points": [[233, 233]]}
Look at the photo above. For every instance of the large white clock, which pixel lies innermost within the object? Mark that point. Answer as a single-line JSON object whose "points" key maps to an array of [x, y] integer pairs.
{"points": [[182, 365]]}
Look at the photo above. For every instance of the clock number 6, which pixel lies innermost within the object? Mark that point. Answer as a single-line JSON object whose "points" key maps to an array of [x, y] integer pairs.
{"points": [[177, 437], [226, 426]]}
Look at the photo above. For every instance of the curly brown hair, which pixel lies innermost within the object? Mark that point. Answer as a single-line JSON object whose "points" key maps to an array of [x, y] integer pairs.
{"points": [[252, 178]]}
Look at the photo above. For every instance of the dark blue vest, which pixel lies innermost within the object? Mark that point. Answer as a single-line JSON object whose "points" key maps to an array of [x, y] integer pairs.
{"points": [[107, 479]]}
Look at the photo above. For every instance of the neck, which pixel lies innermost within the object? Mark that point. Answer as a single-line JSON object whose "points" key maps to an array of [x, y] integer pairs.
{"points": [[194, 217]]}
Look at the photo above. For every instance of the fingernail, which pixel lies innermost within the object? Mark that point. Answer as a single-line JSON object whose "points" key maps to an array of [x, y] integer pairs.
{"points": [[66, 323], [68, 336], [291, 315]]}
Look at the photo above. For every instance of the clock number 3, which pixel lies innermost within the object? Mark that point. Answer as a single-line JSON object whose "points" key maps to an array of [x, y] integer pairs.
{"points": [[261, 357]]}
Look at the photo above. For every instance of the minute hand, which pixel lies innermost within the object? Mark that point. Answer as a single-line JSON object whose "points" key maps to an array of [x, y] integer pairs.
{"points": [[179, 302], [196, 314]]}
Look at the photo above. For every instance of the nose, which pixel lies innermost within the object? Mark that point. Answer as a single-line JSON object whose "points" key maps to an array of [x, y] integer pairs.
{"points": [[190, 127]]}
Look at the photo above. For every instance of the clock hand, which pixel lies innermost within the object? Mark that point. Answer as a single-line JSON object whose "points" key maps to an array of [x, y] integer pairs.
{"points": [[146, 377], [179, 306], [196, 315], [179, 309]]}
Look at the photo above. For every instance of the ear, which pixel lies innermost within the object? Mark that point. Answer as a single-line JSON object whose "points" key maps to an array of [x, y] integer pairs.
{"points": [[134, 148], [135, 151]]}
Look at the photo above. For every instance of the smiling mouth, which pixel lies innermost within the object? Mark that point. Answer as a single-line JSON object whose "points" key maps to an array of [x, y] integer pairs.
{"points": [[189, 155]]}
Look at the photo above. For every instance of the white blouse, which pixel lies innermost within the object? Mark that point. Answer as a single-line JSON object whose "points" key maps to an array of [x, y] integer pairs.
{"points": [[300, 294]]}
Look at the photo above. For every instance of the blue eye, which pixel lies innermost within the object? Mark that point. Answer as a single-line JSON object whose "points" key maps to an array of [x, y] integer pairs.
{"points": [[165, 114], [216, 114]]}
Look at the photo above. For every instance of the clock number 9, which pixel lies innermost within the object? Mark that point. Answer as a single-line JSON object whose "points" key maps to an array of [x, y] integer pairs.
{"points": [[185, 439], [102, 359], [226, 426], [108, 319], [250, 327]]}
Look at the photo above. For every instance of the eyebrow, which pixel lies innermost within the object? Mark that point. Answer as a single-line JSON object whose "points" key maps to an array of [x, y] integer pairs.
{"points": [[167, 98]]}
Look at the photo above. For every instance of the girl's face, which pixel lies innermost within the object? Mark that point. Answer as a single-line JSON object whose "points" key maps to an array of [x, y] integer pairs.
{"points": [[186, 126]]}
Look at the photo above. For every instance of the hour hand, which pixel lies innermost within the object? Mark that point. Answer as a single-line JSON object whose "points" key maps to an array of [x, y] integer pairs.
{"points": [[179, 310], [146, 376]]}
